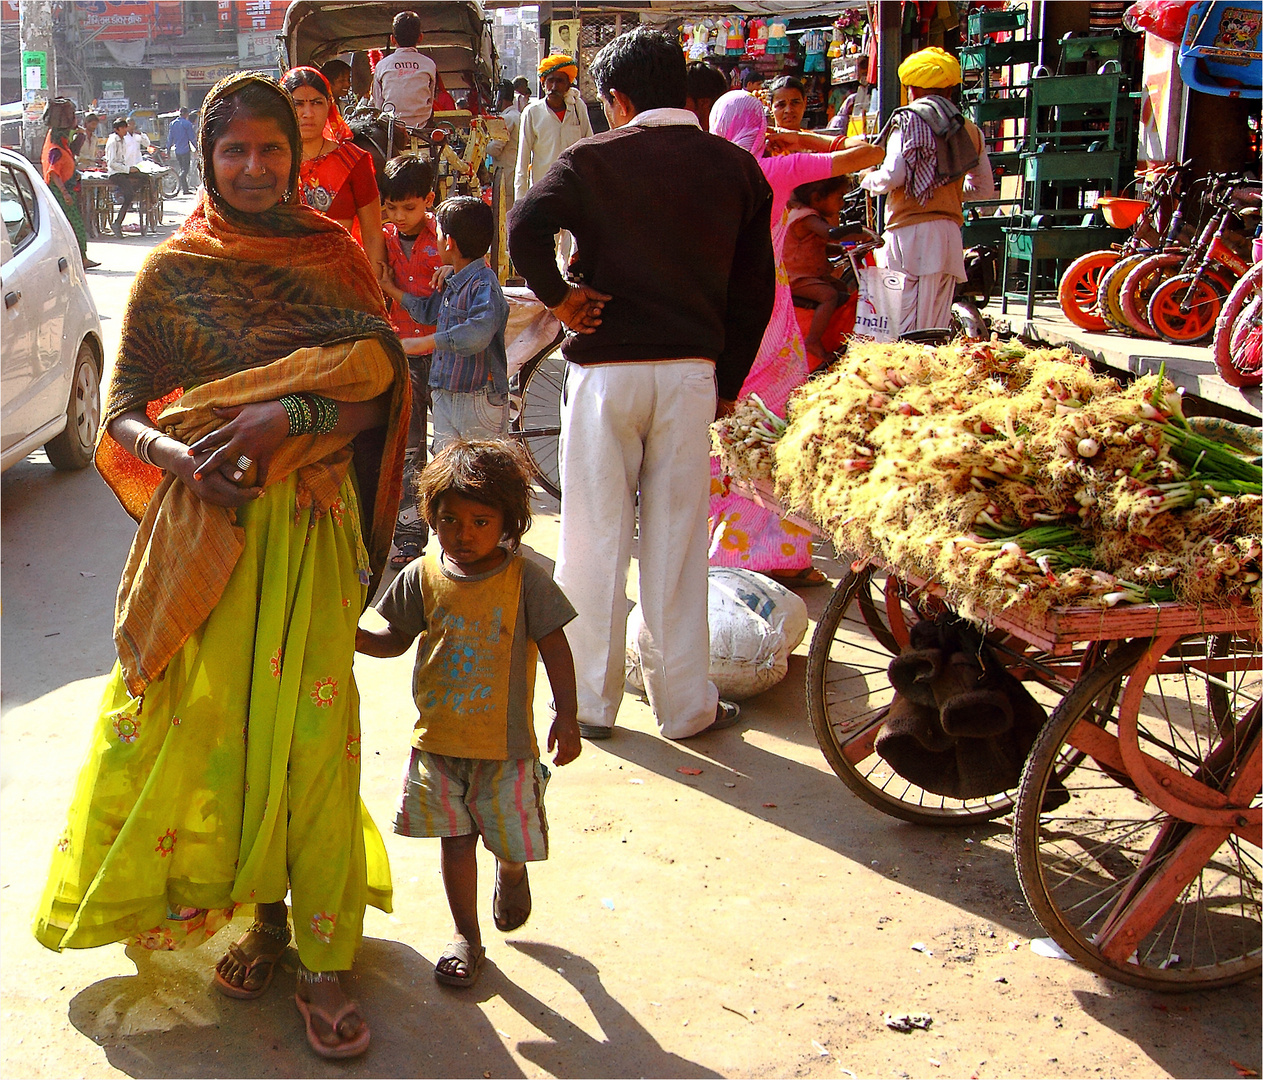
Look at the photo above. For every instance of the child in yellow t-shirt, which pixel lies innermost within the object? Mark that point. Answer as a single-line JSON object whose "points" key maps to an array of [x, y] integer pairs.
{"points": [[483, 611]]}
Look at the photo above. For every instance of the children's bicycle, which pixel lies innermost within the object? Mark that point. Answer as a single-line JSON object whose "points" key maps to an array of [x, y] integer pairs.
{"points": [[1238, 342]]}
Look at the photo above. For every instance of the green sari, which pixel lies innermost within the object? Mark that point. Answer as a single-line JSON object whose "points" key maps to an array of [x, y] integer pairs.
{"points": [[230, 780]]}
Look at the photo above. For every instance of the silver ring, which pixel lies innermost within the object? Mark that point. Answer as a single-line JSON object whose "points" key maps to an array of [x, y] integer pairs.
{"points": [[243, 463]]}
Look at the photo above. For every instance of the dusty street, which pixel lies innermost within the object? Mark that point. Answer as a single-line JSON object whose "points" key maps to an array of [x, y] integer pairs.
{"points": [[752, 919]]}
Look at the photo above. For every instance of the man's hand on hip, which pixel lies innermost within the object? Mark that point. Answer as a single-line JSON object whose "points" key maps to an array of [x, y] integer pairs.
{"points": [[581, 309]]}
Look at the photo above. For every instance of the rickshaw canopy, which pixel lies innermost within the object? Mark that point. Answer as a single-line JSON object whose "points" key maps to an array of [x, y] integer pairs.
{"points": [[457, 36]]}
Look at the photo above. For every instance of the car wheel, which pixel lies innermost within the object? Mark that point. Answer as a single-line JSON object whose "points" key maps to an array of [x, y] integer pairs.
{"points": [[72, 449]]}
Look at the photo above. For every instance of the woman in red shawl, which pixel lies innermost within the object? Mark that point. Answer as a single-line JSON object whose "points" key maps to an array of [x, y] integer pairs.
{"points": [[337, 177]]}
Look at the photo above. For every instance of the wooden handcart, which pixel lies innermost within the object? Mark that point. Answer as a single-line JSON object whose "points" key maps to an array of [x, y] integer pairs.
{"points": [[1150, 871]]}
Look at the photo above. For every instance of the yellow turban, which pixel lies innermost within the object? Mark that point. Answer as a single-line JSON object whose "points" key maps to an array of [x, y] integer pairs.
{"points": [[930, 68], [550, 65]]}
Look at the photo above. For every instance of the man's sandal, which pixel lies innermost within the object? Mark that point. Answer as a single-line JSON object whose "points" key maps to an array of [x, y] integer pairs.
{"points": [[348, 1049], [511, 904], [461, 953], [278, 933]]}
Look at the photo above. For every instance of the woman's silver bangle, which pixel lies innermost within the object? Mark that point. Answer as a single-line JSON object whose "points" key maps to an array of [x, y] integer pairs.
{"points": [[144, 445]]}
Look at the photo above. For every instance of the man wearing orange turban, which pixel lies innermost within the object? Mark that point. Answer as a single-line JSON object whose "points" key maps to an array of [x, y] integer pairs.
{"points": [[548, 126], [924, 211]]}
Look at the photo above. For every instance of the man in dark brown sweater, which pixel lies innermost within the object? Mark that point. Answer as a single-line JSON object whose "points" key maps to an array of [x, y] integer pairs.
{"points": [[673, 233]]}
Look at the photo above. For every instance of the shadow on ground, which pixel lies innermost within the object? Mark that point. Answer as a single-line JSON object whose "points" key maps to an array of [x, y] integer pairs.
{"points": [[168, 1021]]}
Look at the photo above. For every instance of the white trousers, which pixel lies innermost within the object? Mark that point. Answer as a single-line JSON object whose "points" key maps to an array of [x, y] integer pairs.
{"points": [[628, 428], [927, 302]]}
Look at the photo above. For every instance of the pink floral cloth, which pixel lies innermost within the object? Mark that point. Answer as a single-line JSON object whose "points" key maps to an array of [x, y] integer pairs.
{"points": [[741, 532]]}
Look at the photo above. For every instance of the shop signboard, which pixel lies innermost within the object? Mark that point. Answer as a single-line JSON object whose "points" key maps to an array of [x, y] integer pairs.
{"points": [[9, 12], [260, 14], [845, 69], [206, 76], [118, 20]]}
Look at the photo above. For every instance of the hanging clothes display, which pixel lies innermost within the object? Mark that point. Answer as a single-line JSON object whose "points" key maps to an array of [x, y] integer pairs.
{"points": [[777, 39]]}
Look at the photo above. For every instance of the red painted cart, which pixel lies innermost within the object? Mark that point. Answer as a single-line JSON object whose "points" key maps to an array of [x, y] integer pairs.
{"points": [[1150, 872]]}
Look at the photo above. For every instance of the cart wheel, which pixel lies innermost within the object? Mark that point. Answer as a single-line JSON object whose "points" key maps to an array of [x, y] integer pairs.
{"points": [[848, 692], [1150, 874], [538, 423], [1079, 286], [1183, 310]]}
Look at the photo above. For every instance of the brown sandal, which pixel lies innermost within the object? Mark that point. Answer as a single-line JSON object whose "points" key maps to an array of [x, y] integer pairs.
{"points": [[511, 904], [235, 951]]}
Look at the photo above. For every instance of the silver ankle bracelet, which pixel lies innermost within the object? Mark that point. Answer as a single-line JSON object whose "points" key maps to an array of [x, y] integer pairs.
{"points": [[279, 933], [306, 976]]}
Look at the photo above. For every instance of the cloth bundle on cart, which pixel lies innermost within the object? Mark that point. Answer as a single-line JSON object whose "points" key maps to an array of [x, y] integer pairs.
{"points": [[960, 725]]}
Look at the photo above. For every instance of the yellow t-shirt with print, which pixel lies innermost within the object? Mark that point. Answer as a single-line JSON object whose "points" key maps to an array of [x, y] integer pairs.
{"points": [[474, 677]]}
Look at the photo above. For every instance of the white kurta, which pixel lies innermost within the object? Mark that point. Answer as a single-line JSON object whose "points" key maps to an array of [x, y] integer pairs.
{"points": [[542, 137], [930, 253]]}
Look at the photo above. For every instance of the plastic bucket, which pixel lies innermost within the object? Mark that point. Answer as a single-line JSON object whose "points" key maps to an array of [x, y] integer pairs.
{"points": [[1121, 212]]}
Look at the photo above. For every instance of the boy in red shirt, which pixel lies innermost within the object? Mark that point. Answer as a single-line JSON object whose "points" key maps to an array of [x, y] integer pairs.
{"points": [[412, 255]]}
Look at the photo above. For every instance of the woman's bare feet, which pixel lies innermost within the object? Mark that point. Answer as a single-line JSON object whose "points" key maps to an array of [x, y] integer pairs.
{"points": [[246, 969]]}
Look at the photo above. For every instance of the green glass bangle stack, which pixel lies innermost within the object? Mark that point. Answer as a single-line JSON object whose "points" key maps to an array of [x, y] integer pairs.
{"points": [[310, 414]]}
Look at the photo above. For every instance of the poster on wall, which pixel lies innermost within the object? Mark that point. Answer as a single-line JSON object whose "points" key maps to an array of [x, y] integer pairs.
{"points": [[564, 37]]}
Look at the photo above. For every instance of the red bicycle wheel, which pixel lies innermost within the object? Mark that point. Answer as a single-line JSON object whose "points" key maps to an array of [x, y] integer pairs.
{"points": [[1138, 286], [1078, 289], [1183, 309], [1238, 340]]}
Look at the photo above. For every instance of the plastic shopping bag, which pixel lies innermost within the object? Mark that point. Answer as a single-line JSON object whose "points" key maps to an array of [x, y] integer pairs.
{"points": [[879, 311]]}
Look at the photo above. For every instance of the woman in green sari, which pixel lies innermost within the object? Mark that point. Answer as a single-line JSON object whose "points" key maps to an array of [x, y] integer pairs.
{"points": [[255, 427]]}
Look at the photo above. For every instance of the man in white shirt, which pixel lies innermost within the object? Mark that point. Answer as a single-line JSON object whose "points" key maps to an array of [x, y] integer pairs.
{"points": [[405, 79], [118, 166], [135, 141], [504, 154], [547, 127]]}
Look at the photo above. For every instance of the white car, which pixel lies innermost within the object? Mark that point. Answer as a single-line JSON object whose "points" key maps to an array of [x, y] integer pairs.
{"points": [[51, 352]]}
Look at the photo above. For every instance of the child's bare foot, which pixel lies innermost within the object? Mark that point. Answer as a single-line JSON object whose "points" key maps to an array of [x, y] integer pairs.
{"points": [[245, 970]]}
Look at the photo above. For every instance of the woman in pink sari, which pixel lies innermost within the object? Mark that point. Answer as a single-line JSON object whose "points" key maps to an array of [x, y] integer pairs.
{"points": [[742, 533]]}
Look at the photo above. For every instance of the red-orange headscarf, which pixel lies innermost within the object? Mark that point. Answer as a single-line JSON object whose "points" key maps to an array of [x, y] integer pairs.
{"points": [[336, 128]]}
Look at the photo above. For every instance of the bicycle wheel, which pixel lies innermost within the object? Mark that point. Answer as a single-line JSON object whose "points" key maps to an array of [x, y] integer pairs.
{"points": [[1183, 309], [1239, 332], [170, 184], [537, 424], [1138, 286], [1135, 891], [1108, 301], [1079, 286], [848, 694]]}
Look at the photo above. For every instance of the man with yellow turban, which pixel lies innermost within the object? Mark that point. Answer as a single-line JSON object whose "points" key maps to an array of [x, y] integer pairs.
{"points": [[924, 211], [548, 126]]}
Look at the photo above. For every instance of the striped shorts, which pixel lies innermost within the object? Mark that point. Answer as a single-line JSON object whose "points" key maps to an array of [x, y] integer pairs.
{"points": [[501, 801]]}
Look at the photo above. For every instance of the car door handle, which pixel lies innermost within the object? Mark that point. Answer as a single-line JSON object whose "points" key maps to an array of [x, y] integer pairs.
{"points": [[62, 264], [11, 298]]}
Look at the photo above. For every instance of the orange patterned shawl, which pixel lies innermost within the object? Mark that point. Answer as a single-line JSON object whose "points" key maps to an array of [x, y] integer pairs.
{"points": [[237, 308]]}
